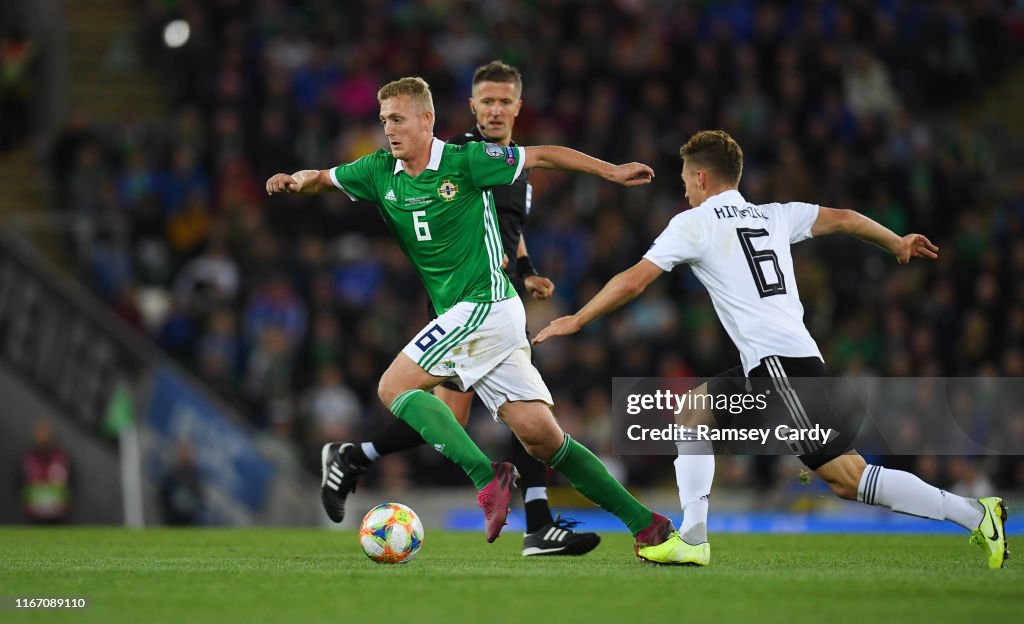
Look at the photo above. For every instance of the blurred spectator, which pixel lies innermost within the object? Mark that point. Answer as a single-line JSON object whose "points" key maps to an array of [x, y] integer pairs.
{"points": [[275, 305], [868, 86], [219, 352], [66, 159], [268, 379], [16, 86], [46, 478], [332, 409], [178, 332], [125, 305], [181, 489], [969, 479], [190, 224], [185, 179], [208, 280]]}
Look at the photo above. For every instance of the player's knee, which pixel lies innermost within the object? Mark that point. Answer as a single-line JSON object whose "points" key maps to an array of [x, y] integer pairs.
{"points": [[540, 440], [694, 413], [386, 390], [532, 438], [538, 450]]}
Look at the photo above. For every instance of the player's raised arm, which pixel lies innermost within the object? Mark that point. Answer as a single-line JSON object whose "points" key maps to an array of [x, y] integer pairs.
{"points": [[619, 290], [306, 182], [567, 159], [831, 221]]}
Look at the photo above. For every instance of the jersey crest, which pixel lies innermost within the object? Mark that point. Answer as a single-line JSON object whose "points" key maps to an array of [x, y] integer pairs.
{"points": [[447, 190]]}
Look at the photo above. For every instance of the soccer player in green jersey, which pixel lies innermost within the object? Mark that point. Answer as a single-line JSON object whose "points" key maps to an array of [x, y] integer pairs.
{"points": [[437, 203], [495, 103]]}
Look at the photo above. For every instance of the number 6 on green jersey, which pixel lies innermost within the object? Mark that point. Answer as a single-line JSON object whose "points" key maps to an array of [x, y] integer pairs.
{"points": [[422, 227]]}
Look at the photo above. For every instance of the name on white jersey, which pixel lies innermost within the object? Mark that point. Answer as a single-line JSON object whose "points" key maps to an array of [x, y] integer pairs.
{"points": [[732, 212]]}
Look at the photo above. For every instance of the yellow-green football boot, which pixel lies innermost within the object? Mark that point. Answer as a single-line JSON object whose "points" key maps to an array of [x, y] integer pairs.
{"points": [[674, 551], [990, 534]]}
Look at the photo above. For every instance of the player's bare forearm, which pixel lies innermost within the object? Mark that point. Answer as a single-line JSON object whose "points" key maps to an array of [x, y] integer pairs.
{"points": [[831, 221], [871, 231], [568, 159], [305, 182], [903, 247], [619, 291], [616, 293], [315, 181]]}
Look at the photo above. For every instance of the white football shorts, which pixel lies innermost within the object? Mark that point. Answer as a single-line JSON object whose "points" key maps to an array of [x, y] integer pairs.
{"points": [[482, 346]]}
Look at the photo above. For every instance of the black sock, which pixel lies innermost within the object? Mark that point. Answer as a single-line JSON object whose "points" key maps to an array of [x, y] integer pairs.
{"points": [[532, 473], [538, 514], [355, 455], [398, 436]]}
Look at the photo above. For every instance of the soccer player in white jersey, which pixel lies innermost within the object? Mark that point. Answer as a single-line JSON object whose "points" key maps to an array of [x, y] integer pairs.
{"points": [[741, 253]]}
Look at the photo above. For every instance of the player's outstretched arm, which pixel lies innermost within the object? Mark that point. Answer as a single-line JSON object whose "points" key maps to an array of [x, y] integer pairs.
{"points": [[306, 182], [567, 159], [619, 290], [831, 221]]}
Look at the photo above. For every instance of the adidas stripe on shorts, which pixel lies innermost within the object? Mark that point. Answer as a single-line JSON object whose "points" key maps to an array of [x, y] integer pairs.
{"points": [[483, 346], [797, 396]]}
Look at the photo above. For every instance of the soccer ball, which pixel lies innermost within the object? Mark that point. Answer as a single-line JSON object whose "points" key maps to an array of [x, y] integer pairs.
{"points": [[391, 533]]}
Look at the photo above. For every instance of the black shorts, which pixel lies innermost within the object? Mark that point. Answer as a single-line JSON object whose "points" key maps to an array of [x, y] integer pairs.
{"points": [[794, 392]]}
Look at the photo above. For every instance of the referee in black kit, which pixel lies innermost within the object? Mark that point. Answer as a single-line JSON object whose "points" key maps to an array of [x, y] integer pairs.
{"points": [[495, 103]]}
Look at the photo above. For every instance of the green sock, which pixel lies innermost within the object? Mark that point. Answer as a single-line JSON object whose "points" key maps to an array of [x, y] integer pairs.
{"points": [[588, 475], [428, 415]]}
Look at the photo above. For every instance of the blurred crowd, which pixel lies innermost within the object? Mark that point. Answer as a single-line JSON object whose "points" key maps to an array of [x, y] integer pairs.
{"points": [[17, 84], [291, 308]]}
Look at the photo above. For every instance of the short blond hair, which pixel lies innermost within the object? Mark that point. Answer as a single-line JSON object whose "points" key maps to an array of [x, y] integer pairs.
{"points": [[717, 152], [413, 86]]}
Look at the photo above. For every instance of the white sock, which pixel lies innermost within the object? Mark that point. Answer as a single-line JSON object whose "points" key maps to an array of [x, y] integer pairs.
{"points": [[370, 451], [907, 494], [695, 470], [535, 493]]}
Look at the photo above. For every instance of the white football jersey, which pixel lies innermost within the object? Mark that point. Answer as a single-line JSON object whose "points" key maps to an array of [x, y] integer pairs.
{"points": [[740, 252]]}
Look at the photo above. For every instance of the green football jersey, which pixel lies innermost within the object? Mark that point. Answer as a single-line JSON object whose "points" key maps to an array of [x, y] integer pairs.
{"points": [[443, 219]]}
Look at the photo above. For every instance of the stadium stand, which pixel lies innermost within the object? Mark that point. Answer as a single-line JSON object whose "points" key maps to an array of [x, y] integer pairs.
{"points": [[897, 109]]}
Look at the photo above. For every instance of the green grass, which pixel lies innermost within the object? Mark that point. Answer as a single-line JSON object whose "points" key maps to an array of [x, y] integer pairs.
{"points": [[273, 575]]}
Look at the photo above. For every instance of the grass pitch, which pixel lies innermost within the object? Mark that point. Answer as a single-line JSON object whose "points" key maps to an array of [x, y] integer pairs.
{"points": [[287, 575]]}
